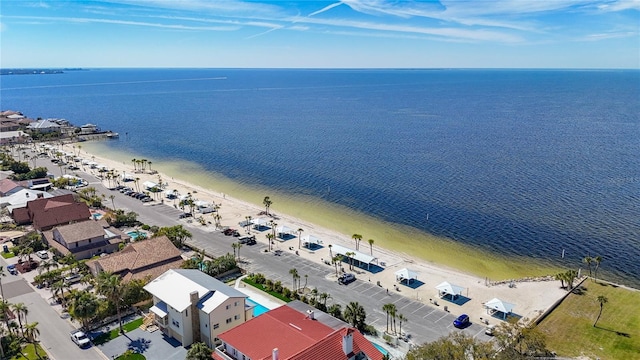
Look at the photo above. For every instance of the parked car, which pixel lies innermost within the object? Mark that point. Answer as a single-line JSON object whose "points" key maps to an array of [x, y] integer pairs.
{"points": [[246, 239], [461, 321], [12, 269], [347, 278], [229, 232], [80, 338], [42, 254], [185, 215], [72, 279], [146, 199], [490, 330]]}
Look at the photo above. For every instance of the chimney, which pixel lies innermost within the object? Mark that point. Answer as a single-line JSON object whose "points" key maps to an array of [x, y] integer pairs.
{"points": [[274, 354], [310, 314], [193, 297], [40, 196], [347, 341]]}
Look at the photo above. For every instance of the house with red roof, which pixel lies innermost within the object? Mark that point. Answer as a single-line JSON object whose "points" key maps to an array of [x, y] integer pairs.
{"points": [[45, 213], [140, 260], [295, 331]]}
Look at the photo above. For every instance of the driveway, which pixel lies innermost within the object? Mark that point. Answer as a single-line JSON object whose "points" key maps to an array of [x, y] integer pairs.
{"points": [[153, 345]]}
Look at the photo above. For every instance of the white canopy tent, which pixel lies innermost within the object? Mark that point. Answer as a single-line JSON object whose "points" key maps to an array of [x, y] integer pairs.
{"points": [[497, 305], [149, 185], [259, 222], [309, 240], [356, 255], [284, 230], [406, 274], [127, 177], [170, 194], [202, 204], [446, 288]]}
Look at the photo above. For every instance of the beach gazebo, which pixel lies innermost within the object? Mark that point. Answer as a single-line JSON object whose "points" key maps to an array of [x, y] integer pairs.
{"points": [[406, 274], [258, 223], [310, 241], [150, 185], [496, 305], [284, 231], [445, 288], [127, 177], [356, 255]]}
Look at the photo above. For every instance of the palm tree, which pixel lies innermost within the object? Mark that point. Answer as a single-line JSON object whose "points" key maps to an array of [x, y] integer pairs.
{"points": [[84, 307], [588, 260], [4, 307], [306, 278], [401, 319], [234, 245], [269, 239], [134, 161], [337, 260], [112, 197], [323, 298], [110, 286], [267, 204], [247, 223], [570, 278], [601, 300], [199, 351], [149, 163], [2, 274], [58, 287], [330, 252], [598, 259], [371, 241], [300, 230], [387, 309], [355, 315], [21, 311], [32, 333], [294, 273], [561, 277], [350, 255], [357, 238], [393, 313], [335, 310]]}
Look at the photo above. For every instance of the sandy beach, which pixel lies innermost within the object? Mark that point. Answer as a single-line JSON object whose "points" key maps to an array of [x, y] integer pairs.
{"points": [[529, 297]]}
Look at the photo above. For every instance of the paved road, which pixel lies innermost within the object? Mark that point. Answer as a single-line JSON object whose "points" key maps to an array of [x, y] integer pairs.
{"points": [[425, 323], [54, 331]]}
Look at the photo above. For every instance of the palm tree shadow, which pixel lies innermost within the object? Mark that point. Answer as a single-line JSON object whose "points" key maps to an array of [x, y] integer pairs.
{"points": [[139, 345], [619, 333]]}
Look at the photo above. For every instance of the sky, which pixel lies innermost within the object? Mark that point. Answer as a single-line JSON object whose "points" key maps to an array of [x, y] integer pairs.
{"points": [[320, 34]]}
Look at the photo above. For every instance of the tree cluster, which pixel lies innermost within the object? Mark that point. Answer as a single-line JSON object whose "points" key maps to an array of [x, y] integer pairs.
{"points": [[118, 218]]}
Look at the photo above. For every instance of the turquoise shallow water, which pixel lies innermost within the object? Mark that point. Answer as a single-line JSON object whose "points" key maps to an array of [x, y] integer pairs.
{"points": [[512, 161]]}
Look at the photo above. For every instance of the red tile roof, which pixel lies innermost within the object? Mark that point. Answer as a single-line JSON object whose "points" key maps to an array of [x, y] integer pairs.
{"points": [[6, 185], [296, 336], [144, 258], [58, 210]]}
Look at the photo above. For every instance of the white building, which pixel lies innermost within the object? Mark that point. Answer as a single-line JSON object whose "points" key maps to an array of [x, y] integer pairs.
{"points": [[191, 306]]}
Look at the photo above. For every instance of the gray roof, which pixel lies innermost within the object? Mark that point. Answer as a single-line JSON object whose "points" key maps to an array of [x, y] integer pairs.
{"points": [[321, 316]]}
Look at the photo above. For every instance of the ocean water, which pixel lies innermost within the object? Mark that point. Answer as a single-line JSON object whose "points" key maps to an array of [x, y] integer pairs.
{"points": [[520, 162]]}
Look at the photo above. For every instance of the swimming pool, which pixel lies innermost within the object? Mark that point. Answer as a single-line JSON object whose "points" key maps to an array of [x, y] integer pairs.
{"points": [[381, 349], [135, 235], [96, 216], [258, 309]]}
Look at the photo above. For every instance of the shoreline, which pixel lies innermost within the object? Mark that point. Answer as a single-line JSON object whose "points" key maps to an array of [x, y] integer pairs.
{"points": [[532, 294], [406, 241]]}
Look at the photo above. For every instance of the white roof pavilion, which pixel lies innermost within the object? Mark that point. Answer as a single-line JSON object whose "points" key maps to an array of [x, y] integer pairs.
{"points": [[149, 185], [446, 288], [498, 305], [310, 239], [259, 222], [361, 257], [406, 274]]}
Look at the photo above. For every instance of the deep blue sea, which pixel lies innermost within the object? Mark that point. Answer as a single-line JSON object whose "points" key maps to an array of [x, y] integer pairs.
{"points": [[525, 162]]}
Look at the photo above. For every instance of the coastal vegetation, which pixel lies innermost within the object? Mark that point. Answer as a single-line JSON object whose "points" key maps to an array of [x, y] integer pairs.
{"points": [[513, 340], [570, 329]]}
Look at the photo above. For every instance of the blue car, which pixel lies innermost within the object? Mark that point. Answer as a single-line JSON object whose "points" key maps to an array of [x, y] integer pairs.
{"points": [[461, 321]]}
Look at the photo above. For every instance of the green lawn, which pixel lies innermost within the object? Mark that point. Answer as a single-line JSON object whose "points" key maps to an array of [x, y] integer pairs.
{"points": [[28, 353], [106, 337], [261, 288], [570, 330], [8, 255]]}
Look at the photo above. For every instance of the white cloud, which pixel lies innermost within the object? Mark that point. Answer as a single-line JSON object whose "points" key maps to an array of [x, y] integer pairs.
{"points": [[326, 8], [125, 22]]}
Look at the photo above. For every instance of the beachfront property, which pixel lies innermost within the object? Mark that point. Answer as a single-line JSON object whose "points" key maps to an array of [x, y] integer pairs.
{"points": [[45, 213], [44, 126], [85, 239], [20, 198], [191, 306], [295, 331], [146, 259]]}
